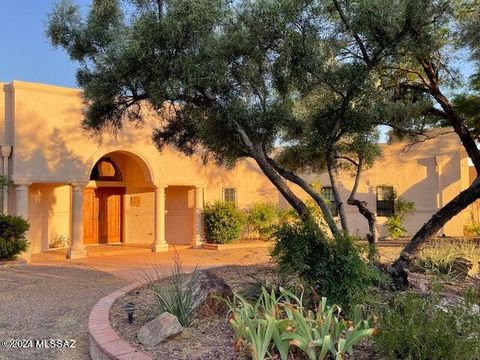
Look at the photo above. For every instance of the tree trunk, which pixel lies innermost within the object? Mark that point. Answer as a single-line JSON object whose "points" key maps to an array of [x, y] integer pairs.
{"points": [[313, 194], [336, 195], [452, 116], [363, 209], [257, 153], [369, 215], [398, 269]]}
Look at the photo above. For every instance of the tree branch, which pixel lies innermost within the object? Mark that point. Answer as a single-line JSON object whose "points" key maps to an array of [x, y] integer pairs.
{"points": [[359, 41]]}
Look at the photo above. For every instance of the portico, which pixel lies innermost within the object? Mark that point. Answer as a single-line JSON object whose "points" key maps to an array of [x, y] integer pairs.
{"points": [[119, 204]]}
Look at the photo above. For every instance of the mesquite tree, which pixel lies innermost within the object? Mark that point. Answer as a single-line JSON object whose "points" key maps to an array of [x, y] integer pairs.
{"points": [[233, 72], [420, 65], [213, 61]]}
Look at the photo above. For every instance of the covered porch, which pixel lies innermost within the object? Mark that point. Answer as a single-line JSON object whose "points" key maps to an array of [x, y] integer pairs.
{"points": [[121, 205]]}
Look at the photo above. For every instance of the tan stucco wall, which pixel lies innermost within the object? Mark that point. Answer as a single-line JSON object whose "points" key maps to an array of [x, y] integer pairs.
{"points": [[42, 122]]}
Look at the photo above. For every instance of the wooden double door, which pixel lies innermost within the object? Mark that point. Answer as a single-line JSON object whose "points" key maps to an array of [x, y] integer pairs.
{"points": [[102, 215]]}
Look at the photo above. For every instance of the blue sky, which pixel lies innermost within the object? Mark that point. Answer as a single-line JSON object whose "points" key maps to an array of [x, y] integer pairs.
{"points": [[26, 53]]}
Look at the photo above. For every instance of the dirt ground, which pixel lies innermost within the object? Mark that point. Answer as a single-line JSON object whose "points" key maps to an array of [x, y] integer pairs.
{"points": [[43, 303], [207, 339]]}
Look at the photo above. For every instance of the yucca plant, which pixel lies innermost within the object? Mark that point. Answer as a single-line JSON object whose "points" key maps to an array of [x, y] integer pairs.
{"points": [[173, 292], [282, 325]]}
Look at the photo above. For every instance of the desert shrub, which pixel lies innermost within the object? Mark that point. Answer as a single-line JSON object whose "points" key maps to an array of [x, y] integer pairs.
{"points": [[13, 230], [262, 218], [58, 241], [394, 223], [267, 278], [442, 257], [290, 216], [472, 229], [276, 326], [417, 328], [395, 227], [223, 222], [173, 292], [335, 268]]}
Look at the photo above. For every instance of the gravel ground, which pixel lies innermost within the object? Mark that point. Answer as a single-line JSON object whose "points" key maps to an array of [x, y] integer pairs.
{"points": [[207, 339], [40, 302]]}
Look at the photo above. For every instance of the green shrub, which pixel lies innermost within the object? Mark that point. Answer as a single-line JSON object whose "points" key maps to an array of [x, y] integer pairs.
{"points": [[418, 328], [335, 268], [395, 227], [223, 222], [276, 326], [13, 230], [394, 223], [262, 218], [270, 279]]}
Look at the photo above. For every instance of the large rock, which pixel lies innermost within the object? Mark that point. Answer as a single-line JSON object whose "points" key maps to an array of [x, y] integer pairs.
{"points": [[208, 289], [159, 329], [461, 267]]}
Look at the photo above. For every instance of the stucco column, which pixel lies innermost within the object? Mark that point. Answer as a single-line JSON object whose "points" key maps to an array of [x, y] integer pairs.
{"points": [[21, 209], [21, 199], [77, 249], [6, 152], [159, 243], [197, 218]]}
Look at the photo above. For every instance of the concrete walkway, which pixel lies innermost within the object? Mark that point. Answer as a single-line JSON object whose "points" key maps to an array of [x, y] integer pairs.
{"points": [[52, 297], [132, 266]]}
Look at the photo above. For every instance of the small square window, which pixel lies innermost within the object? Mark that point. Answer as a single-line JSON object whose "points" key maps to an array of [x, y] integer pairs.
{"points": [[229, 195], [385, 201], [328, 195]]}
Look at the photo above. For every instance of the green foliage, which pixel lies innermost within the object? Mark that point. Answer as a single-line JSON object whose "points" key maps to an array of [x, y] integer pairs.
{"points": [[395, 227], [335, 268], [262, 218], [223, 222], [472, 229], [394, 223], [269, 279], [13, 230], [174, 292], [277, 325], [3, 182], [443, 257], [418, 328]]}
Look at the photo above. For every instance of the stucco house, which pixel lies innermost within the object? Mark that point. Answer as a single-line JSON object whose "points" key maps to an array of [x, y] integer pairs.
{"points": [[123, 190]]}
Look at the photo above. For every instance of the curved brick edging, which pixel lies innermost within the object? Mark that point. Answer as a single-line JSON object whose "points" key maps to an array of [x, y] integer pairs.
{"points": [[105, 344]]}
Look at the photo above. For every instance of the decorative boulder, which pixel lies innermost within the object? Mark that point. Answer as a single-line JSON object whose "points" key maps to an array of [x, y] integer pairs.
{"points": [[208, 289], [461, 267], [159, 329]]}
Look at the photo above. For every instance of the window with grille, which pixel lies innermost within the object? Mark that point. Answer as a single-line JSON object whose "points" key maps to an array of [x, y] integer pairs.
{"points": [[328, 195], [385, 201], [230, 195]]}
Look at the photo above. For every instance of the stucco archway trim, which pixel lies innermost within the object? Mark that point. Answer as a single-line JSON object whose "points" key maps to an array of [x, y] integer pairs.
{"points": [[143, 160]]}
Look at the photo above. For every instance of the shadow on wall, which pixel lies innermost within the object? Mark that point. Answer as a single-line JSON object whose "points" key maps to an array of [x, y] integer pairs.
{"points": [[53, 160]]}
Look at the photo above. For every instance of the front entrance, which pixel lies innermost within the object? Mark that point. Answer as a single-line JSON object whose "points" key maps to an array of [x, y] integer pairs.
{"points": [[102, 215]]}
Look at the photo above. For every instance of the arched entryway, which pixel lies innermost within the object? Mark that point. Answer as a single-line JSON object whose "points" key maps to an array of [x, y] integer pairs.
{"points": [[123, 204], [119, 201]]}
